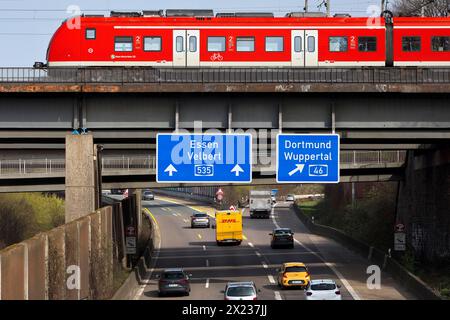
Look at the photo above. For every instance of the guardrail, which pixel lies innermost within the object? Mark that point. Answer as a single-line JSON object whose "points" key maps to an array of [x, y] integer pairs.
{"points": [[121, 75], [411, 282], [55, 166]]}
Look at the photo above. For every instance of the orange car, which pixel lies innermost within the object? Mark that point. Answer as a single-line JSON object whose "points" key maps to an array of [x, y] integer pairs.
{"points": [[293, 274]]}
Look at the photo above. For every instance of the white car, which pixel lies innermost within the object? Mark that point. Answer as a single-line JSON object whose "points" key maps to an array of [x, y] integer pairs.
{"points": [[241, 291], [324, 289], [290, 197]]}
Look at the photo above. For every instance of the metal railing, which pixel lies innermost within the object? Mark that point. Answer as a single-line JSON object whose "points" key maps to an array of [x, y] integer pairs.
{"points": [[122, 75], [23, 167]]}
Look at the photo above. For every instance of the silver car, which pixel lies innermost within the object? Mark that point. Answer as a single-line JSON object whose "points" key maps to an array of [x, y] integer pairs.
{"points": [[325, 289], [290, 197], [200, 220], [241, 291]]}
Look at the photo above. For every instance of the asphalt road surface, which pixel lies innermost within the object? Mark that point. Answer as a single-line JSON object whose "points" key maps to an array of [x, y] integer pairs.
{"points": [[212, 267]]}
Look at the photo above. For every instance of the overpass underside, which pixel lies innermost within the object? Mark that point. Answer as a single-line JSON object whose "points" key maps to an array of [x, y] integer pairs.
{"points": [[374, 109]]}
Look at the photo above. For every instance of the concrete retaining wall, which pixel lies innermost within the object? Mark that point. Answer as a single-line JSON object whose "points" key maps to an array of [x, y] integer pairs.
{"points": [[419, 288], [74, 261], [141, 273], [183, 195]]}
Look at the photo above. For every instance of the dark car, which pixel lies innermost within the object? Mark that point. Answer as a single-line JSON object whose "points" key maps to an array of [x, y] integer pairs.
{"points": [[117, 191], [148, 195], [174, 281], [282, 237]]}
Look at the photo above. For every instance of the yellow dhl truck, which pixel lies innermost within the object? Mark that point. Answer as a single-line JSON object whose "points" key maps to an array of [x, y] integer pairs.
{"points": [[228, 227]]}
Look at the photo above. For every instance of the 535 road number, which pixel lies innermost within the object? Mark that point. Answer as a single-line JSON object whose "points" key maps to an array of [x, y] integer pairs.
{"points": [[242, 309]]}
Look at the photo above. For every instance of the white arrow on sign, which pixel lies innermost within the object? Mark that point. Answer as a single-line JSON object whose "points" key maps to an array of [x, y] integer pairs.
{"points": [[237, 170], [170, 169], [298, 167]]}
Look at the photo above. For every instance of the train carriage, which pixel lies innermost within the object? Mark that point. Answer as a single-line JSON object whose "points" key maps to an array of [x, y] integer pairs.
{"points": [[199, 39]]}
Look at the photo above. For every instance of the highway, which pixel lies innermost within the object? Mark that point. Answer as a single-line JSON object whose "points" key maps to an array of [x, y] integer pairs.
{"points": [[212, 267]]}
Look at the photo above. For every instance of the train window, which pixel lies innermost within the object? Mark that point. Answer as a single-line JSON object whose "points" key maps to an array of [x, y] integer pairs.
{"points": [[440, 43], [298, 44], [90, 34], [179, 44], [152, 44], [367, 44], [192, 44], [274, 44], [123, 44], [411, 44], [311, 44], [246, 44], [338, 44], [216, 44]]}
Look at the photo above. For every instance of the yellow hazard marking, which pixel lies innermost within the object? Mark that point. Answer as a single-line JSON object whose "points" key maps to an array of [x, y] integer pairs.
{"points": [[151, 215]]}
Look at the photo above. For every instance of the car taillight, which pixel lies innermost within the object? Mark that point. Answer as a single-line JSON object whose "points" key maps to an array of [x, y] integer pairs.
{"points": [[338, 292], [309, 293], [255, 298]]}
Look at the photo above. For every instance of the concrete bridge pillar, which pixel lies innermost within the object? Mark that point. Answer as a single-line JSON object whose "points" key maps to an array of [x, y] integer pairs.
{"points": [[81, 155]]}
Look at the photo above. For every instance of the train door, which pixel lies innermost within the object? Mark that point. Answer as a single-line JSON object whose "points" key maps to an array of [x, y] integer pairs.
{"points": [[193, 48], [311, 48], [305, 48], [186, 51], [298, 45], [179, 48]]}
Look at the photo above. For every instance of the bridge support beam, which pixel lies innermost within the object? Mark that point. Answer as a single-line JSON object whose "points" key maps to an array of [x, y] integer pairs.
{"points": [[80, 187]]}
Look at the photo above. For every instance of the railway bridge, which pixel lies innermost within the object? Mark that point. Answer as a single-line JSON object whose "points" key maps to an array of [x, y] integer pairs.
{"points": [[404, 110]]}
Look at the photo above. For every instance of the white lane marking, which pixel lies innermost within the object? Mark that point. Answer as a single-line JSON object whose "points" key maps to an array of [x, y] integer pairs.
{"points": [[174, 214], [207, 262], [278, 295], [271, 279], [186, 220], [204, 248], [207, 284], [329, 265], [265, 266], [140, 292], [251, 244], [258, 254]]}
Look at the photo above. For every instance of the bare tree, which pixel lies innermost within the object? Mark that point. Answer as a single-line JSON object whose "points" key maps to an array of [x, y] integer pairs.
{"points": [[427, 8]]}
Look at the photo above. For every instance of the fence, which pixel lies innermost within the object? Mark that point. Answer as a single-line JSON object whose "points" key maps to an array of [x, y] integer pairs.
{"points": [[380, 75], [55, 166]]}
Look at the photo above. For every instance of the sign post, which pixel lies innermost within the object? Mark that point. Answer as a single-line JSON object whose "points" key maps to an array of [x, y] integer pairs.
{"points": [[204, 158], [305, 158], [400, 237]]}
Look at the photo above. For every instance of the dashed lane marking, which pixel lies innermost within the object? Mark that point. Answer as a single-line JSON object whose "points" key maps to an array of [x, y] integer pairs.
{"points": [[329, 265], [251, 244], [258, 254], [199, 236], [207, 262], [204, 248], [207, 284], [265, 266], [271, 279], [278, 295]]}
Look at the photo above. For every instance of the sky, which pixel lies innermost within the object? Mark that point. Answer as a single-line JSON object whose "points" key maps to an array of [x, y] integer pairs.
{"points": [[26, 26]]}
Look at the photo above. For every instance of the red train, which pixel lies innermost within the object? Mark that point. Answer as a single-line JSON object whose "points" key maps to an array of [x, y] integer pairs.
{"points": [[197, 38]]}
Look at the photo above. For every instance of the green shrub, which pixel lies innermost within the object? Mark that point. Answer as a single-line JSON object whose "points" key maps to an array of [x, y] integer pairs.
{"points": [[24, 215]]}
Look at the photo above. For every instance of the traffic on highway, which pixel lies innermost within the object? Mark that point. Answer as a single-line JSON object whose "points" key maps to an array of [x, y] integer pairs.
{"points": [[207, 254]]}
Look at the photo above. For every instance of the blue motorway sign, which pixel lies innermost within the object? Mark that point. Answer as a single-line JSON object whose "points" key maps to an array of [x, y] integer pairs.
{"points": [[203, 158], [305, 158]]}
